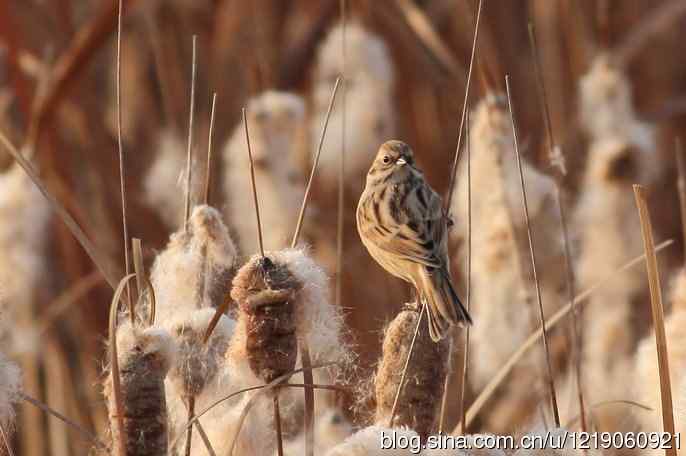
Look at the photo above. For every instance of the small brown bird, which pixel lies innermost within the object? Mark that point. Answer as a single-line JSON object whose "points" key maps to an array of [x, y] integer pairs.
{"points": [[401, 223]]}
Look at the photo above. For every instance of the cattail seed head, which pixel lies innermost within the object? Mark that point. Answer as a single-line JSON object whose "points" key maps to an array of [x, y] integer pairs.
{"points": [[421, 395], [144, 356]]}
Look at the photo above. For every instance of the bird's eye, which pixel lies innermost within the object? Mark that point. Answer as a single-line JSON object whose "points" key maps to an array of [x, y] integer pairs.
{"points": [[386, 159]]}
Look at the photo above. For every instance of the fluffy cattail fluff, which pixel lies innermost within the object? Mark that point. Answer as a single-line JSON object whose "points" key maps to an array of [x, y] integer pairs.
{"points": [[369, 81], [368, 441], [166, 179], [503, 301], [420, 399], [198, 367], [10, 388], [25, 213], [606, 106], [144, 356], [331, 428], [647, 379], [621, 153], [195, 269], [276, 123]]}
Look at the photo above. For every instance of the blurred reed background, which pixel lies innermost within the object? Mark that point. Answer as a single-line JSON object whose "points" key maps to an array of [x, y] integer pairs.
{"points": [[616, 86]]}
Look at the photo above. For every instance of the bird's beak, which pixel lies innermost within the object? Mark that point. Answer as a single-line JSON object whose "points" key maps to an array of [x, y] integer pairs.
{"points": [[400, 161]]}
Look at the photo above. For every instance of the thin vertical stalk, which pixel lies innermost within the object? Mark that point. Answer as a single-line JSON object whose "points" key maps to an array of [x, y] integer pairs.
{"points": [[254, 185], [189, 150], [208, 168]]}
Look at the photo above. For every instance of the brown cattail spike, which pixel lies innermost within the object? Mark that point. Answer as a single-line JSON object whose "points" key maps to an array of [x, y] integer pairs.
{"points": [[420, 402]]}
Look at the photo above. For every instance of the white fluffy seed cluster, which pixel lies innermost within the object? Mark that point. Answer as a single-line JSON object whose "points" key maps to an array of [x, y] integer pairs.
{"points": [[369, 81]]}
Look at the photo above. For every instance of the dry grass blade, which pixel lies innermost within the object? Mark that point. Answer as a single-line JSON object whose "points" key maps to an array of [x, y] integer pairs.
{"points": [[79, 429], [114, 364], [265, 388], [189, 431], [100, 261], [254, 185], [551, 379], [205, 439], [557, 160], [120, 147], [189, 150], [223, 307], [453, 170], [681, 185], [208, 169], [658, 316], [407, 363], [303, 207], [500, 376], [422, 27], [5, 441]]}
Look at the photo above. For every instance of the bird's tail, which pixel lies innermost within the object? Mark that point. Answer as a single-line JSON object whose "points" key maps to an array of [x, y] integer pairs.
{"points": [[444, 306]]}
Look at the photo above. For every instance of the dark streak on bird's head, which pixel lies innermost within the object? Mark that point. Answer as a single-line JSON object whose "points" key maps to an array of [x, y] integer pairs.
{"points": [[394, 160]]}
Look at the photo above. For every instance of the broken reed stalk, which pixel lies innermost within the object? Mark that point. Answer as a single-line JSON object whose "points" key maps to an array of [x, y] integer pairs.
{"points": [[208, 168], [139, 270], [120, 432], [407, 364], [304, 349], [557, 161], [120, 146], [303, 207], [340, 223], [658, 316], [681, 185], [500, 376], [189, 151], [5, 441], [252, 181], [551, 379], [453, 170]]}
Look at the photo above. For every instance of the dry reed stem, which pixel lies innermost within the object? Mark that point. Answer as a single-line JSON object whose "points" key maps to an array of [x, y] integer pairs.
{"points": [[139, 270], [5, 441], [658, 316], [120, 149], [303, 207], [405, 367], [465, 363], [78, 428], [189, 151], [252, 181], [422, 27], [83, 46], [557, 161], [277, 423], [208, 169], [100, 261], [114, 368], [340, 222], [681, 185], [453, 170], [531, 341], [551, 379], [304, 349]]}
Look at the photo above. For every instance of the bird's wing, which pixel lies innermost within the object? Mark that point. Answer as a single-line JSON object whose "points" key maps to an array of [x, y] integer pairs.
{"points": [[420, 237]]}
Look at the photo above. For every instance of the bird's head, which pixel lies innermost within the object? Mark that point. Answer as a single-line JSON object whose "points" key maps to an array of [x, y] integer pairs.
{"points": [[393, 158]]}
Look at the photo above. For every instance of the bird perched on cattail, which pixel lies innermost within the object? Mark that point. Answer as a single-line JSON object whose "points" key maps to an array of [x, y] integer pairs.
{"points": [[401, 222]]}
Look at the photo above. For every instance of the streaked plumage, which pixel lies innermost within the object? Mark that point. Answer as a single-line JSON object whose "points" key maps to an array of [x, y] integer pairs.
{"points": [[401, 223]]}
